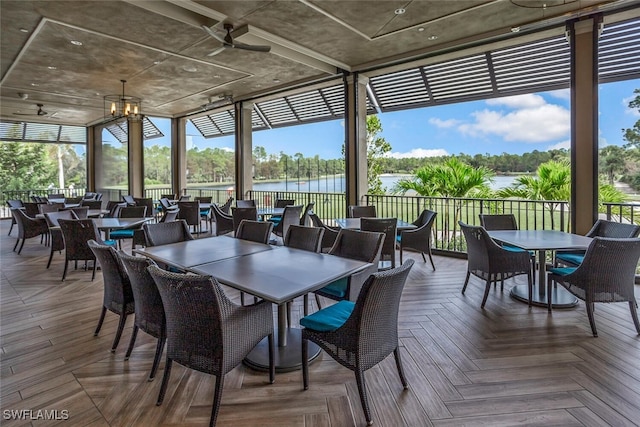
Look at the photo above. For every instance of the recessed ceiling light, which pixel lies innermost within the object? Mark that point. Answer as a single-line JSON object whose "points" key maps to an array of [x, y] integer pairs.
{"points": [[216, 76], [157, 62], [420, 29], [51, 67], [34, 84], [76, 43], [24, 30], [399, 11], [276, 80], [432, 37], [515, 29], [190, 68]]}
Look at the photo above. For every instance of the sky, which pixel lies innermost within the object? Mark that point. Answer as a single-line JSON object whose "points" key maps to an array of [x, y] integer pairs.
{"points": [[515, 125]]}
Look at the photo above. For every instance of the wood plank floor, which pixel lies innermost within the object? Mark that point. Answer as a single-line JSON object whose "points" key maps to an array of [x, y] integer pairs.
{"points": [[506, 365]]}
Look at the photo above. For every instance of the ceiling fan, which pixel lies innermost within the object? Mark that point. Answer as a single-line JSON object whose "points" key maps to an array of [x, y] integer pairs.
{"points": [[40, 112], [228, 43]]}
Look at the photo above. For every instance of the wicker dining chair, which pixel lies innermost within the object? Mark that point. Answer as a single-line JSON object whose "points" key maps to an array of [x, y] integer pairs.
{"points": [[148, 306], [491, 262], [28, 227], [164, 233], [14, 204], [419, 238], [205, 214], [329, 236], [226, 207], [57, 241], [607, 274], [305, 219], [208, 332], [362, 334], [224, 222], [238, 214], [280, 203], [354, 244], [169, 215], [255, 231], [389, 227], [492, 222], [362, 211], [130, 233], [80, 212], [190, 212], [247, 203], [129, 200], [601, 228], [118, 296], [290, 216], [76, 234], [307, 239]]}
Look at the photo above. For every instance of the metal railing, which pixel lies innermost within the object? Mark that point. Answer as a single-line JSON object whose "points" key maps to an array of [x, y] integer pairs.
{"points": [[530, 214]]}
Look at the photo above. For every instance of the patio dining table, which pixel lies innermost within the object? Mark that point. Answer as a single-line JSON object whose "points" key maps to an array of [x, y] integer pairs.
{"points": [[274, 273], [542, 241]]}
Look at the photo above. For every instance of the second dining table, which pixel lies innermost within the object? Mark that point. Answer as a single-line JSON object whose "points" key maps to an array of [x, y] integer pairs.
{"points": [[542, 241], [276, 274]]}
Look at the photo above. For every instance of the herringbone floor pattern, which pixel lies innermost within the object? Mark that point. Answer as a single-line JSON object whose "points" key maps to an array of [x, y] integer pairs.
{"points": [[505, 365]]}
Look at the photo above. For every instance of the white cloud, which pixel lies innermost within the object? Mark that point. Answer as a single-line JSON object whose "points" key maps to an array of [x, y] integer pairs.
{"points": [[564, 94], [533, 121], [419, 153], [519, 101], [444, 123], [560, 145], [227, 149]]}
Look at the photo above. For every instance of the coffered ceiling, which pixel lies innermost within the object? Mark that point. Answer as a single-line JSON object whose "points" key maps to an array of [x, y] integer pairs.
{"points": [[67, 55]]}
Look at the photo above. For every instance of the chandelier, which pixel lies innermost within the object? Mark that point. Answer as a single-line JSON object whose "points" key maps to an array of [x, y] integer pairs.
{"points": [[117, 106]]}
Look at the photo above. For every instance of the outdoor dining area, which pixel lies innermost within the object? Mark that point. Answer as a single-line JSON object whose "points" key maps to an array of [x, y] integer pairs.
{"points": [[263, 307]]}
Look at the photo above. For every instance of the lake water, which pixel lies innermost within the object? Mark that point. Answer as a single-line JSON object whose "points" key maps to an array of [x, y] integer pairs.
{"points": [[336, 184]]}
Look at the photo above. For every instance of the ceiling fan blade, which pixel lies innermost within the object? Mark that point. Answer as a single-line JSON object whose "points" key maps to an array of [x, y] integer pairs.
{"points": [[213, 34], [218, 50], [255, 48]]}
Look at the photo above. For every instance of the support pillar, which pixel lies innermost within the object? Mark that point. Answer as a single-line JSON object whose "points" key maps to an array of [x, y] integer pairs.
{"points": [[355, 149], [135, 148], [583, 39], [178, 156], [91, 159], [243, 148]]}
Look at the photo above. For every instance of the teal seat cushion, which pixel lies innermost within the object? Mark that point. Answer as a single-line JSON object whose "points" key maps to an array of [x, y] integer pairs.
{"points": [[399, 238], [122, 234], [562, 271], [575, 259], [337, 288], [111, 243], [204, 212], [330, 318]]}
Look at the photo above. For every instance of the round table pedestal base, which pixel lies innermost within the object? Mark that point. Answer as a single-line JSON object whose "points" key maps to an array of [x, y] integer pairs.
{"points": [[560, 298], [287, 358]]}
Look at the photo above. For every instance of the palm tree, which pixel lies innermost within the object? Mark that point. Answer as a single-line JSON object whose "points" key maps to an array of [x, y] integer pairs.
{"points": [[552, 183], [450, 179]]}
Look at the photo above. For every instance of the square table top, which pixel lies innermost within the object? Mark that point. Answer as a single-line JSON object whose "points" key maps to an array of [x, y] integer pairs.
{"points": [[354, 224], [537, 240], [281, 274], [190, 253]]}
